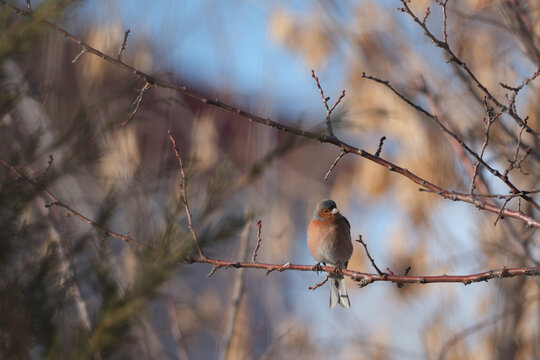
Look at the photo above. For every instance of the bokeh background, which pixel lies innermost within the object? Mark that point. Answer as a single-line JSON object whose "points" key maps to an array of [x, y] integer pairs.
{"points": [[69, 291]]}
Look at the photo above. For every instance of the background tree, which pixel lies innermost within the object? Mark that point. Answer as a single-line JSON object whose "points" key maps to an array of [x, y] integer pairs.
{"points": [[94, 221]]}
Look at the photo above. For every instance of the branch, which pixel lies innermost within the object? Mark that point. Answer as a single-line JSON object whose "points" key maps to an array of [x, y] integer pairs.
{"points": [[54, 201], [365, 279], [183, 188], [325, 103], [446, 130], [530, 221], [452, 57]]}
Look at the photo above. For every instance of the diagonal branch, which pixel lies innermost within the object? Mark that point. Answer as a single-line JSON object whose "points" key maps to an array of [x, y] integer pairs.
{"points": [[529, 220], [54, 201]]}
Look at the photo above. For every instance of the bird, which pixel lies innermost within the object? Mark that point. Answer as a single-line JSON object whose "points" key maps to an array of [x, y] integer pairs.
{"points": [[329, 242]]}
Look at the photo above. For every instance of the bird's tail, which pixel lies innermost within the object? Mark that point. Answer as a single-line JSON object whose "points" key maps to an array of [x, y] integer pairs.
{"points": [[338, 292]]}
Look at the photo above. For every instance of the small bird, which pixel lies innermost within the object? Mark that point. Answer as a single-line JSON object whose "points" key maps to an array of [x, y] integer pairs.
{"points": [[329, 242]]}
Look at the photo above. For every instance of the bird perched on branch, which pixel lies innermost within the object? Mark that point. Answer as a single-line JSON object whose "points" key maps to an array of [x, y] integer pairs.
{"points": [[329, 242]]}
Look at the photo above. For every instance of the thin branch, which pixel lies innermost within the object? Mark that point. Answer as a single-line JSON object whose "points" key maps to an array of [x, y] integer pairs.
{"points": [[452, 57], [369, 255], [123, 46], [83, 51], [515, 163], [183, 188], [137, 102], [446, 130], [488, 123], [316, 286], [325, 103], [54, 201], [530, 221], [341, 154], [259, 228], [365, 279], [379, 148]]}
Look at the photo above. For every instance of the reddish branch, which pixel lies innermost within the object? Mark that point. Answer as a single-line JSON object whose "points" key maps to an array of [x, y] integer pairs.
{"points": [[530, 221], [367, 278], [325, 103]]}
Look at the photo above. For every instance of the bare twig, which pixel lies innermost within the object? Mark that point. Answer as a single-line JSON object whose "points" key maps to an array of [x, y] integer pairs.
{"points": [[259, 228], [183, 188], [369, 255], [379, 148], [83, 51], [282, 127], [446, 130], [488, 123], [123, 46], [452, 57], [318, 285], [515, 162], [325, 103], [341, 154], [137, 102]]}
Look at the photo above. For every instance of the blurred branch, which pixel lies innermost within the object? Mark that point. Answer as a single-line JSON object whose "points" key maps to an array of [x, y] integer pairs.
{"points": [[452, 57], [183, 188], [236, 297], [124, 43], [325, 103], [365, 279], [446, 130], [54, 201], [478, 327], [529, 220]]}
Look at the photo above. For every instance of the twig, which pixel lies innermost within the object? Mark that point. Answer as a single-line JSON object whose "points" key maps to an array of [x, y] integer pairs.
{"points": [[341, 154], [28, 5], [54, 201], [123, 47], [499, 215], [259, 227], [515, 163], [325, 103], [137, 102], [489, 122], [446, 130], [369, 255], [445, 17], [279, 126], [443, 44], [183, 188], [316, 286], [379, 148], [78, 56]]}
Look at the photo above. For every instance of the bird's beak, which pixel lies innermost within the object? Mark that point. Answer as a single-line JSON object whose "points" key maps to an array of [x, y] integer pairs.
{"points": [[335, 211]]}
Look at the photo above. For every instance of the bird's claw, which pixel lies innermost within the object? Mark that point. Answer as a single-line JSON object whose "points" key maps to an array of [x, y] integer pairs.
{"points": [[317, 267]]}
